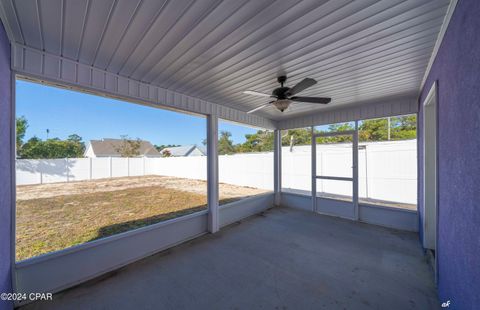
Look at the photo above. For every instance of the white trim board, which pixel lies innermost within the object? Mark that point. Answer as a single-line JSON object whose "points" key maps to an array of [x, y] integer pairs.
{"points": [[62, 72], [441, 34], [366, 110], [430, 174]]}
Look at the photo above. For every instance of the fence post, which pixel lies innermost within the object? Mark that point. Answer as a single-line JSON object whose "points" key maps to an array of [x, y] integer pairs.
{"points": [[110, 162], [66, 169], [128, 166], [90, 168], [143, 165]]}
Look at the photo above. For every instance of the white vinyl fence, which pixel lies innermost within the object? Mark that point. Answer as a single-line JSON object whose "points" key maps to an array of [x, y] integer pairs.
{"points": [[387, 170]]}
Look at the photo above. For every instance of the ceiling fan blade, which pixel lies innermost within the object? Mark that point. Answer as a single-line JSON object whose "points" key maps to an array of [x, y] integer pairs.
{"points": [[301, 86], [312, 99], [255, 93], [259, 108]]}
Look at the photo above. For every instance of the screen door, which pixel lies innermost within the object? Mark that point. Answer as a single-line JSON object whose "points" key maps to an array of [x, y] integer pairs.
{"points": [[335, 173]]}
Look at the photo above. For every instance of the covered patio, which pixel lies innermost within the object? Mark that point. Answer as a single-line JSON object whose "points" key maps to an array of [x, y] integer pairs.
{"points": [[282, 258], [310, 247]]}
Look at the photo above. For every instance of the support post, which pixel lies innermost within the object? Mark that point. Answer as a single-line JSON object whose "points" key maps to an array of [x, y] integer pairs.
{"points": [[212, 173], [277, 166], [355, 172], [314, 171], [7, 171]]}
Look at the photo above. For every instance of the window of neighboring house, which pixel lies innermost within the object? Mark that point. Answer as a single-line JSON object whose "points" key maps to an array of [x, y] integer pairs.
{"points": [[89, 167], [245, 161]]}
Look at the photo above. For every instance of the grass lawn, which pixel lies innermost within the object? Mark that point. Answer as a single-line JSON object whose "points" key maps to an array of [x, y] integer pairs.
{"points": [[47, 224]]}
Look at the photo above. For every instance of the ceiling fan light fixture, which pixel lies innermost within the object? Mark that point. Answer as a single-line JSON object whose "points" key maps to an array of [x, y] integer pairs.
{"points": [[282, 104], [286, 95]]}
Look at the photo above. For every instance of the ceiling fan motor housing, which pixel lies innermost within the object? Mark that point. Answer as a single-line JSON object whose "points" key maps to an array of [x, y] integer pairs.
{"points": [[282, 79], [280, 92]]}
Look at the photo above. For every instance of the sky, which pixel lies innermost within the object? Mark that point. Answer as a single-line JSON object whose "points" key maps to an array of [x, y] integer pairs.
{"points": [[65, 112]]}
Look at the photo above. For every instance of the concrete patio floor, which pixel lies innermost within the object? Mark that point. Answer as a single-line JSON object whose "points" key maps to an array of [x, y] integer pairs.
{"points": [[281, 259]]}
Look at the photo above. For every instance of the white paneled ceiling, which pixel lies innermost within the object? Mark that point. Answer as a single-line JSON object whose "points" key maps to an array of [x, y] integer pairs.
{"points": [[214, 49]]}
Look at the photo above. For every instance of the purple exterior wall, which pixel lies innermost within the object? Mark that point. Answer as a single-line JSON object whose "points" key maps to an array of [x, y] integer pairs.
{"points": [[457, 71], [5, 168]]}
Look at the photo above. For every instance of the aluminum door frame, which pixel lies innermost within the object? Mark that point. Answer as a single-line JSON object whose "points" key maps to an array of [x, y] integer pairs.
{"points": [[353, 179]]}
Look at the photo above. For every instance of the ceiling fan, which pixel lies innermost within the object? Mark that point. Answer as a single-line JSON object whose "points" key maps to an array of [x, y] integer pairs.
{"points": [[285, 95]]}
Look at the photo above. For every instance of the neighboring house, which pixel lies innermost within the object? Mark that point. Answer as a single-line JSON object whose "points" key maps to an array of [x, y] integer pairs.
{"points": [[109, 148], [186, 150]]}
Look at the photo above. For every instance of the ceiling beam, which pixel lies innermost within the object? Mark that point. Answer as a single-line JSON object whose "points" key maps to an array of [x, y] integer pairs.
{"points": [[61, 72], [383, 107]]}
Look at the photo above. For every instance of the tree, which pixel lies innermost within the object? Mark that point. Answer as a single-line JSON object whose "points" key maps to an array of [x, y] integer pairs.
{"points": [[36, 148], [162, 146], [50, 148], [76, 144], [32, 148], [74, 138], [336, 128], [225, 144], [128, 147], [401, 128], [340, 127], [261, 141], [404, 127], [374, 130], [299, 136], [21, 129], [166, 153]]}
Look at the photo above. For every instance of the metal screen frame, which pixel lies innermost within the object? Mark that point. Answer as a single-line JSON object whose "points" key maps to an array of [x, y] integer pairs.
{"points": [[353, 179]]}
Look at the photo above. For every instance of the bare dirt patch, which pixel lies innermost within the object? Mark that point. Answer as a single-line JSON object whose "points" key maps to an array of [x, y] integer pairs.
{"points": [[55, 216], [26, 192]]}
